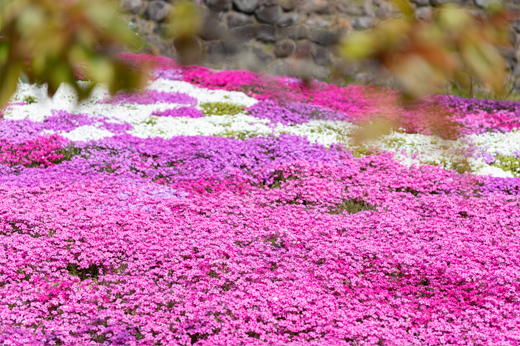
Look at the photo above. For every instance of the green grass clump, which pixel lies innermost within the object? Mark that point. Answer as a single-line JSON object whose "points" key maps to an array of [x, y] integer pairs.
{"points": [[238, 134], [362, 151], [221, 108], [461, 166], [508, 163], [395, 142], [29, 99], [352, 206], [91, 272], [150, 121]]}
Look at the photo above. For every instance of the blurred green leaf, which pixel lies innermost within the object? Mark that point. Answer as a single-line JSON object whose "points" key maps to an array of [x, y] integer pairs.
{"points": [[486, 62], [9, 80], [453, 18], [358, 45], [405, 7], [424, 55], [55, 37], [31, 19], [102, 70], [184, 19]]}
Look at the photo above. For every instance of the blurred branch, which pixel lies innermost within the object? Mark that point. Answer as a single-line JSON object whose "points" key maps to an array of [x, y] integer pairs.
{"points": [[455, 45], [183, 26], [47, 40]]}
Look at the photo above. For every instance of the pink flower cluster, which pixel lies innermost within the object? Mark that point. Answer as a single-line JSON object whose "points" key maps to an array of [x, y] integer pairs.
{"points": [[35, 152], [366, 254], [361, 252], [264, 241]]}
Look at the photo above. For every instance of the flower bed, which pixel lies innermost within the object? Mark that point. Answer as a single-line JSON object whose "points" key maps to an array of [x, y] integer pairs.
{"points": [[212, 210]]}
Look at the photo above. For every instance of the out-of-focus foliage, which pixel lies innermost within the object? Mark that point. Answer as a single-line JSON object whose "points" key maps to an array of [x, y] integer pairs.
{"points": [[183, 25], [50, 40], [454, 46]]}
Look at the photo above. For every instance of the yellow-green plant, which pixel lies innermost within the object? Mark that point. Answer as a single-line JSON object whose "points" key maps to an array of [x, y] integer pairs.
{"points": [[48, 39], [221, 108], [455, 45], [508, 163]]}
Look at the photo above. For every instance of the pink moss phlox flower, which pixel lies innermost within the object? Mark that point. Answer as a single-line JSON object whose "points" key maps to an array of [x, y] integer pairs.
{"points": [[237, 261], [41, 150], [264, 241]]}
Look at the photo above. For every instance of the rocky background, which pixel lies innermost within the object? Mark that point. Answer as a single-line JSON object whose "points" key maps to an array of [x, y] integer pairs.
{"points": [[288, 37]]}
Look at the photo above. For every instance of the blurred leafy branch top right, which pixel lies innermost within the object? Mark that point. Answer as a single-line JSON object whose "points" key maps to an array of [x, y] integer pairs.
{"points": [[455, 46]]}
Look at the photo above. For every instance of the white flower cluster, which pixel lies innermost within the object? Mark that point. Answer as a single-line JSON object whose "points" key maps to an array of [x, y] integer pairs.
{"points": [[409, 148]]}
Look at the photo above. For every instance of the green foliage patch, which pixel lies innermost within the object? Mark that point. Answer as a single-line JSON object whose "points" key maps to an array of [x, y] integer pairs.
{"points": [[363, 151], [460, 165], [29, 99], [221, 108], [238, 134], [351, 207], [508, 163]]}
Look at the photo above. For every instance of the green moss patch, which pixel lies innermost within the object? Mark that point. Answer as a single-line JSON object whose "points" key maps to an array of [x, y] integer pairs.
{"points": [[508, 163], [221, 108]]}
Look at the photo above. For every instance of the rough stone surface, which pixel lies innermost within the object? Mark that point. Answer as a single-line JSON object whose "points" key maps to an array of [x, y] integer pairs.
{"points": [[315, 6], [288, 5], [215, 51], [483, 3], [238, 19], [243, 33], [131, 6], [288, 19], [315, 21], [246, 6], [260, 32], [365, 78], [300, 32], [231, 47], [305, 49], [321, 56], [510, 54], [284, 48], [516, 26], [266, 33], [263, 57], [268, 2], [281, 67], [324, 37], [356, 9], [386, 10], [321, 72], [362, 23], [218, 5], [421, 2], [442, 2], [268, 14], [423, 13], [157, 11], [212, 29]]}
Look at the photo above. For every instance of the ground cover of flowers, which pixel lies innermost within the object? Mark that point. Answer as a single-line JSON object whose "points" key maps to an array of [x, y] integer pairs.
{"points": [[220, 208]]}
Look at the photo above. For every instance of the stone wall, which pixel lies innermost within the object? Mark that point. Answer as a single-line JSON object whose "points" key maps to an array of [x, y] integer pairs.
{"points": [[283, 36]]}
